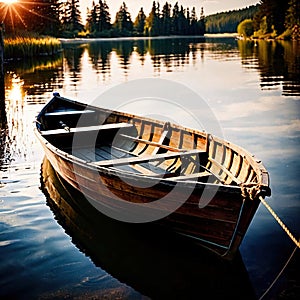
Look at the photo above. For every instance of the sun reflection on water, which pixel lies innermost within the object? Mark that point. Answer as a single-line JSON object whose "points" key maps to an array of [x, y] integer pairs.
{"points": [[15, 93], [17, 141]]}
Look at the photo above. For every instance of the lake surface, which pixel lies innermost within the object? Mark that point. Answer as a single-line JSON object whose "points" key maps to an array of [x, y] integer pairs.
{"points": [[253, 91]]}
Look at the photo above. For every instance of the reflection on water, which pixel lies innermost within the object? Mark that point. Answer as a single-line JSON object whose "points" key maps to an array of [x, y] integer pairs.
{"points": [[254, 90], [158, 264], [278, 63], [38, 75], [16, 136]]}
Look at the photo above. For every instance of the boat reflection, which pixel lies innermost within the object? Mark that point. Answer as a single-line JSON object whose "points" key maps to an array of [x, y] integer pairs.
{"points": [[156, 263]]}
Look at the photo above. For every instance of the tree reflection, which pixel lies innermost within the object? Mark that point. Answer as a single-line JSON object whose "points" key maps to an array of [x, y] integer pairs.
{"points": [[100, 56], [169, 53], [124, 51], [72, 57], [277, 61], [140, 47]]}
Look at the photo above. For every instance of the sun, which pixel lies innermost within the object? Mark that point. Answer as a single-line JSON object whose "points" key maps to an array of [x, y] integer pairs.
{"points": [[14, 12], [8, 2]]}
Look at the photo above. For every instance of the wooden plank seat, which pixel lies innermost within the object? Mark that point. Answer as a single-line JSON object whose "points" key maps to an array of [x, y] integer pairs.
{"points": [[68, 112], [86, 128], [138, 140], [147, 158]]}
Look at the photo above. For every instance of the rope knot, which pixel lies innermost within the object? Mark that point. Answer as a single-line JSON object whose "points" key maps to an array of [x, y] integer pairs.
{"points": [[250, 190]]}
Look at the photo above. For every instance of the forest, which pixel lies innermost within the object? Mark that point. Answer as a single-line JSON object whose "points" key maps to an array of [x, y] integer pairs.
{"points": [[277, 19], [66, 21], [267, 19], [273, 20], [229, 21]]}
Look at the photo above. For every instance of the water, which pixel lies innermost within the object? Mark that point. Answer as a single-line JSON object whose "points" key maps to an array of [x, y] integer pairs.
{"points": [[253, 88]]}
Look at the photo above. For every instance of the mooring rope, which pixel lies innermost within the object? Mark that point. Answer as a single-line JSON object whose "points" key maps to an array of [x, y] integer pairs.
{"points": [[252, 191], [279, 274], [283, 226]]}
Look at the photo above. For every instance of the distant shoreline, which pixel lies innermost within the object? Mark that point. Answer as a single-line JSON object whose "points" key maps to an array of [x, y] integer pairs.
{"points": [[141, 38], [232, 35], [130, 38]]}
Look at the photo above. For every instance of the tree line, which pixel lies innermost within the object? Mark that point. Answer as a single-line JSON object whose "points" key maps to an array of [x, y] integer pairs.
{"points": [[274, 19], [229, 21], [63, 19], [161, 21]]}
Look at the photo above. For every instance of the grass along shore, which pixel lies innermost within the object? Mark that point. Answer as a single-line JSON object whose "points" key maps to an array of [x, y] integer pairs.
{"points": [[22, 47]]}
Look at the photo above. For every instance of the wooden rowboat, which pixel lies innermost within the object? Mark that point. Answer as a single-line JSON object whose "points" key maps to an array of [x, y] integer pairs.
{"points": [[167, 257], [137, 169]]}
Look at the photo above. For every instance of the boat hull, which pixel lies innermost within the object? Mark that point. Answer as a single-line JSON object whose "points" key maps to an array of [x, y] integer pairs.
{"points": [[219, 226]]}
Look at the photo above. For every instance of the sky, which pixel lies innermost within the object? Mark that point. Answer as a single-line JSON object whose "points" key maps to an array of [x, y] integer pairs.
{"points": [[210, 6]]}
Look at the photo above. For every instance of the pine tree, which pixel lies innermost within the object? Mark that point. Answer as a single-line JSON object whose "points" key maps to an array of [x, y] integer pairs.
{"points": [[71, 16], [166, 19], [123, 21], [201, 23], [193, 22], [188, 21], [175, 19], [140, 21], [103, 16], [91, 22], [98, 18], [182, 22], [153, 21]]}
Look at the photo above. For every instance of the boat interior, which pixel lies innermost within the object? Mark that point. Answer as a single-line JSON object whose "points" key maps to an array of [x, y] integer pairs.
{"points": [[138, 145]]}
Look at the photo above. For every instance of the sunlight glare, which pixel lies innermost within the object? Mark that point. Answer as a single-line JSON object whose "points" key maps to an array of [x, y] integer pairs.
{"points": [[9, 2]]}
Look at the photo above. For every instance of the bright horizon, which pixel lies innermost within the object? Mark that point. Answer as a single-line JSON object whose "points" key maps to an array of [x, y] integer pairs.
{"points": [[209, 6]]}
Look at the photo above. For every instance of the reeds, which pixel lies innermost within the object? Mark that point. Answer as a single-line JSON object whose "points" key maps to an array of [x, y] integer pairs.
{"points": [[21, 47]]}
